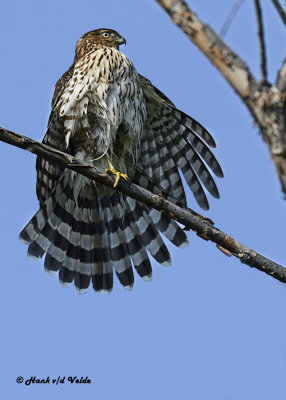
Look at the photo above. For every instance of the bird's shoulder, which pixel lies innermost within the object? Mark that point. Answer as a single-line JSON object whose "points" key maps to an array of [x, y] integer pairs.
{"points": [[152, 94], [61, 85]]}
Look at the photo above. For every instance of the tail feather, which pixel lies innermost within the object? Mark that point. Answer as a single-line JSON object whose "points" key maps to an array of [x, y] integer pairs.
{"points": [[73, 250], [102, 278], [87, 251], [117, 242], [81, 281], [66, 276], [86, 232], [64, 243], [37, 223], [136, 247], [51, 264], [149, 233], [41, 230], [57, 250], [48, 234], [84, 265]]}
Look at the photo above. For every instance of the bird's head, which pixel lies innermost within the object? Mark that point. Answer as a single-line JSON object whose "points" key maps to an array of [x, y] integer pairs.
{"points": [[105, 37]]}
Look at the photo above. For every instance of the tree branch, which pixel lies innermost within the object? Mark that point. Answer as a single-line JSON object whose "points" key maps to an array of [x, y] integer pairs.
{"points": [[281, 78], [191, 220], [261, 41], [280, 10], [266, 103], [232, 67]]}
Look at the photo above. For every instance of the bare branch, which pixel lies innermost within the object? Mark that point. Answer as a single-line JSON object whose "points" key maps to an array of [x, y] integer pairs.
{"points": [[234, 10], [281, 78], [232, 67], [280, 10], [266, 103], [191, 220], [261, 41]]}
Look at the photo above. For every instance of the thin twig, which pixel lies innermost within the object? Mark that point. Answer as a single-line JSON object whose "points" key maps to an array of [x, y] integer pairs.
{"points": [[234, 10], [191, 220], [280, 10], [261, 41]]}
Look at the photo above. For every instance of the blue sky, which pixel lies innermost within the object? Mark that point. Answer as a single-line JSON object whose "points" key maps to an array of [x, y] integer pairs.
{"points": [[205, 328]]}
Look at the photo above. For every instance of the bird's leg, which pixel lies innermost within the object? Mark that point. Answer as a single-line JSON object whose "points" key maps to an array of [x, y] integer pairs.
{"points": [[116, 173]]}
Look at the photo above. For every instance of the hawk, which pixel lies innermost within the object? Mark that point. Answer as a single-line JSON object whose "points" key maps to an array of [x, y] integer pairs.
{"points": [[105, 113]]}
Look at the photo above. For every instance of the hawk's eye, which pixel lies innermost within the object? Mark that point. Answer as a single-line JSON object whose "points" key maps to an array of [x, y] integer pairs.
{"points": [[105, 34]]}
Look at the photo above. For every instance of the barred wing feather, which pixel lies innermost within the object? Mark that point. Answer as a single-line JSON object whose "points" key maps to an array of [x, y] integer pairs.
{"points": [[173, 141]]}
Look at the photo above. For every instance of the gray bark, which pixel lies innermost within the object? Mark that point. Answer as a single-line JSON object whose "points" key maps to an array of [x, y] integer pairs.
{"points": [[266, 102]]}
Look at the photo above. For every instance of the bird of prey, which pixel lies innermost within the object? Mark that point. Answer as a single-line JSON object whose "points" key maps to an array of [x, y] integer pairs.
{"points": [[105, 113]]}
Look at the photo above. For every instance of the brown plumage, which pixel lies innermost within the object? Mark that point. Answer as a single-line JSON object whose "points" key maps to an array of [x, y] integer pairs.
{"points": [[104, 111]]}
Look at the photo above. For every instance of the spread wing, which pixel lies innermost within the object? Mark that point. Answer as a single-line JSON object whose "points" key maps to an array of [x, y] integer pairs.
{"points": [[172, 142]]}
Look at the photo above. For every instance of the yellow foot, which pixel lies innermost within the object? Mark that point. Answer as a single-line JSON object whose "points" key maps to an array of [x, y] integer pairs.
{"points": [[116, 173]]}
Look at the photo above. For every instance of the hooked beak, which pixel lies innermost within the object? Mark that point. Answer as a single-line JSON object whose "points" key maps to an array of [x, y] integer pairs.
{"points": [[120, 41]]}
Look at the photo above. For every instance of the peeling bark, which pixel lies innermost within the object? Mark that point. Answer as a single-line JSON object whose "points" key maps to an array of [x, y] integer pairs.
{"points": [[266, 103]]}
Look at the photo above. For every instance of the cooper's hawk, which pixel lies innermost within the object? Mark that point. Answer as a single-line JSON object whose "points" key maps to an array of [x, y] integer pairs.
{"points": [[104, 112]]}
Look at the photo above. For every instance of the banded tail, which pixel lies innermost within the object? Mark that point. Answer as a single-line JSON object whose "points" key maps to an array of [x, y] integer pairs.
{"points": [[86, 230]]}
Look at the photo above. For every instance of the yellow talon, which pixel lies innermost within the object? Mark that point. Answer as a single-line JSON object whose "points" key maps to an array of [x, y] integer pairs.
{"points": [[116, 173]]}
